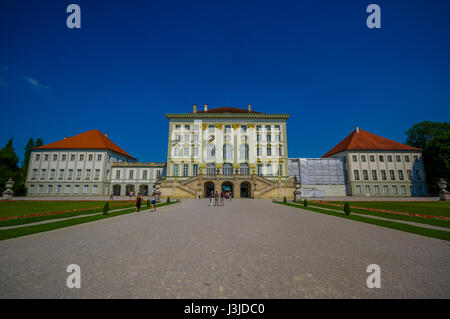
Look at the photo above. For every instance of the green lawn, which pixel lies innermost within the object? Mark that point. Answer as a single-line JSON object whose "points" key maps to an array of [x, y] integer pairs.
{"points": [[428, 208], [26, 207]]}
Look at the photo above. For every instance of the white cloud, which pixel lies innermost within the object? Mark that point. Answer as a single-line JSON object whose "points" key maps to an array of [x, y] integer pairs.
{"points": [[36, 85]]}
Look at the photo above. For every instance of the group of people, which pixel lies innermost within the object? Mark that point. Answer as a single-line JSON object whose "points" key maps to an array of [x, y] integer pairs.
{"points": [[216, 199], [139, 199]]}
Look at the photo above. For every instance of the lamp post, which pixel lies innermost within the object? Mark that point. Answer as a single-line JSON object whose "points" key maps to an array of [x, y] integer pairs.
{"points": [[444, 195], [297, 192]]}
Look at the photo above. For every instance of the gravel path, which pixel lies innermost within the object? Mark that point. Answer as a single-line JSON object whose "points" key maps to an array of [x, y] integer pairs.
{"points": [[246, 249]]}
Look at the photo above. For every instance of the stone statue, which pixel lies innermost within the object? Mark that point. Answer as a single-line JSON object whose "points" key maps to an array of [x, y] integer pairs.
{"points": [[8, 193], [444, 195]]}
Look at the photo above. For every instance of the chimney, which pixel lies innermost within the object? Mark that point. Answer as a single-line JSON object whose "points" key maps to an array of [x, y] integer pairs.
{"points": [[357, 129], [249, 107], [205, 108], [106, 134], [65, 137], [194, 108]]}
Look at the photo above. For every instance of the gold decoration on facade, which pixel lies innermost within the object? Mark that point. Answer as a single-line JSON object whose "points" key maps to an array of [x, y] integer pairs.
{"points": [[251, 125], [235, 126], [219, 126], [204, 126]]}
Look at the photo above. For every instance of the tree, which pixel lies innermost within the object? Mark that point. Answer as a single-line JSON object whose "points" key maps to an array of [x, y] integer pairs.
{"points": [[27, 155], [8, 164], [434, 140]]}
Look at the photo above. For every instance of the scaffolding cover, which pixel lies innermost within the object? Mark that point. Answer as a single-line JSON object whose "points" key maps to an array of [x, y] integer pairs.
{"points": [[317, 171]]}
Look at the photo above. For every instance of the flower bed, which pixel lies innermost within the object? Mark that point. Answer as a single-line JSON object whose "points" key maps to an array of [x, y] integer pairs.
{"points": [[61, 212], [388, 211]]}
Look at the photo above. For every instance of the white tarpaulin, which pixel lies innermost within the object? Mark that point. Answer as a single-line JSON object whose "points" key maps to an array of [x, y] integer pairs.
{"points": [[317, 171]]}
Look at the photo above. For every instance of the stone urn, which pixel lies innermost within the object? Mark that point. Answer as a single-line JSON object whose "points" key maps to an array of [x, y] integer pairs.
{"points": [[444, 195], [8, 193]]}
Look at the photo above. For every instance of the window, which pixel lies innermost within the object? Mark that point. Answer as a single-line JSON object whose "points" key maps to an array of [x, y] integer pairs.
{"points": [[176, 151], [259, 170], [185, 169], [88, 174], [358, 190], [383, 175], [227, 169], [392, 175], [269, 151], [99, 157], [267, 127], [394, 190], [398, 158], [97, 174], [354, 158], [58, 189], [95, 189], [81, 157], [258, 151], [365, 175], [278, 138], [400, 175], [210, 169], [196, 138], [43, 173], [55, 157], [187, 127], [258, 127], [408, 173], [70, 174], [269, 138], [374, 175], [356, 175], [363, 158], [227, 152], [177, 127], [72, 157], [118, 174], [258, 138], [376, 188], [372, 158], [381, 158], [85, 189], [158, 174], [90, 157], [277, 127], [196, 127], [211, 129], [279, 151], [243, 152], [175, 169], [389, 157], [61, 174], [386, 190], [195, 170], [407, 158], [67, 189], [186, 151], [40, 188], [63, 157], [403, 188], [244, 170], [177, 137], [416, 158], [144, 174], [269, 169], [38, 156], [418, 175], [130, 174], [49, 188], [367, 190], [243, 128], [280, 170], [33, 174], [78, 174], [186, 137], [76, 189], [210, 151], [195, 151], [46, 157]]}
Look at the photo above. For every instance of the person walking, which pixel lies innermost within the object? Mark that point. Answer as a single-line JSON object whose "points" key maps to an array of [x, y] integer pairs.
{"points": [[221, 198], [153, 201], [111, 197], [211, 199], [216, 199], [138, 202]]}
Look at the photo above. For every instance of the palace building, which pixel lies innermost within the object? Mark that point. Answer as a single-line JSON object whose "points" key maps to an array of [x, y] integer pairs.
{"points": [[227, 149]]}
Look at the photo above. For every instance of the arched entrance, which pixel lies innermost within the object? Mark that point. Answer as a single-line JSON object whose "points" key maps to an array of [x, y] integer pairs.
{"points": [[144, 190], [245, 190], [227, 187], [116, 190], [129, 189], [209, 188]]}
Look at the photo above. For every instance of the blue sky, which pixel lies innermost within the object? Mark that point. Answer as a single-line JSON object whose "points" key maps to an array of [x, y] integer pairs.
{"points": [[133, 61]]}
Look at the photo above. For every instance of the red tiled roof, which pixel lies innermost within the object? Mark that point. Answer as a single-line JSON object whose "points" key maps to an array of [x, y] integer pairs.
{"points": [[93, 139], [368, 142], [227, 110]]}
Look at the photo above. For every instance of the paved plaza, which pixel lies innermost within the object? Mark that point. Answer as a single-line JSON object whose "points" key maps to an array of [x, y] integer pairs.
{"points": [[245, 249]]}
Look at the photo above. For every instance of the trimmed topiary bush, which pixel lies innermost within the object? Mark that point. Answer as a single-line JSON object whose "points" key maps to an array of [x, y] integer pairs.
{"points": [[284, 199], [305, 203], [106, 209], [168, 200], [347, 209]]}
